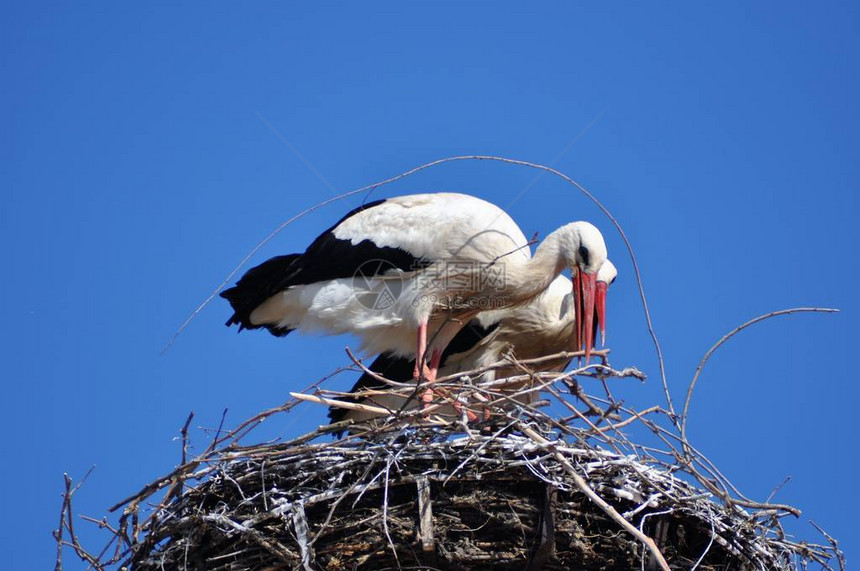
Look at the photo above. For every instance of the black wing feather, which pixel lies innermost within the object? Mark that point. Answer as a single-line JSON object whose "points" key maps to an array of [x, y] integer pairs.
{"points": [[258, 284], [327, 258]]}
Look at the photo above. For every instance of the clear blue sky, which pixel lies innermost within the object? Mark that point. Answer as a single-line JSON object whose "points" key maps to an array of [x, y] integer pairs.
{"points": [[136, 172]]}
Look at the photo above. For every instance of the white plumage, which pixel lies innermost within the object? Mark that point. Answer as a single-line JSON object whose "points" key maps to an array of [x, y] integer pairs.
{"points": [[544, 326], [435, 259], [435, 227]]}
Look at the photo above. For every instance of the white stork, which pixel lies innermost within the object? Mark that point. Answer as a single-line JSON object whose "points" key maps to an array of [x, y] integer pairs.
{"points": [[545, 326], [391, 271]]}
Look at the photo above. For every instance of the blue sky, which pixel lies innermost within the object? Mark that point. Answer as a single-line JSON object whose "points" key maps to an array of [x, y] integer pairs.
{"points": [[137, 171]]}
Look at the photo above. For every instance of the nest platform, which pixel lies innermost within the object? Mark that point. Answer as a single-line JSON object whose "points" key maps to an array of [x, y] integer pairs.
{"points": [[527, 491], [478, 502]]}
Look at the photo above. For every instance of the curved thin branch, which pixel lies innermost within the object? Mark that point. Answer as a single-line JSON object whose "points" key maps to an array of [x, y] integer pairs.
{"points": [[369, 188], [244, 261], [629, 246], [728, 336]]}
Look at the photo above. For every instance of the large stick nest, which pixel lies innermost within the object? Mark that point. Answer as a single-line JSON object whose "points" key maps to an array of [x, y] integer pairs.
{"points": [[493, 502], [526, 491]]}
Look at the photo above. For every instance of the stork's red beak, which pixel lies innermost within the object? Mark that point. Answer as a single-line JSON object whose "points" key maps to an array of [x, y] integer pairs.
{"points": [[600, 306], [584, 294]]}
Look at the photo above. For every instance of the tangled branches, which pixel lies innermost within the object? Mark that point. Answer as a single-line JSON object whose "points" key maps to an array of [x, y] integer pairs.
{"points": [[526, 489]]}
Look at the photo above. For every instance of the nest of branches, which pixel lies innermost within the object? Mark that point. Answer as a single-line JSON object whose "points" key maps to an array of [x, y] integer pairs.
{"points": [[553, 484], [425, 489]]}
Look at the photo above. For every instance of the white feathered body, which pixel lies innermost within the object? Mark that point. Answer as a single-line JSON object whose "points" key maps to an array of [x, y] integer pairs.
{"points": [[457, 236], [543, 326]]}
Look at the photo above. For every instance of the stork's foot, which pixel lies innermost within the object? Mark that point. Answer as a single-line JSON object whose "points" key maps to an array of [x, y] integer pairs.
{"points": [[485, 410], [470, 416], [424, 372], [430, 394]]}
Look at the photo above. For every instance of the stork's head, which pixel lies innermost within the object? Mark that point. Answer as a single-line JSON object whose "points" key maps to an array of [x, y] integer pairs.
{"points": [[586, 253]]}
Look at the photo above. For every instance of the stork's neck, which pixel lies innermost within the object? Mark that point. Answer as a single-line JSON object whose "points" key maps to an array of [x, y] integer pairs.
{"points": [[526, 280]]}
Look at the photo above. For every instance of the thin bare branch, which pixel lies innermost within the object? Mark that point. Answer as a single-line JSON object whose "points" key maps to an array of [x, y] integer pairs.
{"points": [[726, 337]]}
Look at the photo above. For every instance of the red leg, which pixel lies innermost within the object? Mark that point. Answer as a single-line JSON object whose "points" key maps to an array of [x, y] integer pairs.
{"points": [[427, 397], [428, 369], [435, 360], [422, 371], [430, 375]]}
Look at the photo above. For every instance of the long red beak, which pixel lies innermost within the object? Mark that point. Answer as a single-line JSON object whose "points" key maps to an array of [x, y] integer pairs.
{"points": [[584, 294], [600, 306]]}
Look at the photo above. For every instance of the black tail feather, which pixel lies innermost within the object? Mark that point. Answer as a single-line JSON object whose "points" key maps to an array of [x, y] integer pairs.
{"points": [[256, 286]]}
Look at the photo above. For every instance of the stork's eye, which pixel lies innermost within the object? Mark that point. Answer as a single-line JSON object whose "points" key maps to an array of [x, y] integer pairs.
{"points": [[612, 281], [583, 251]]}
